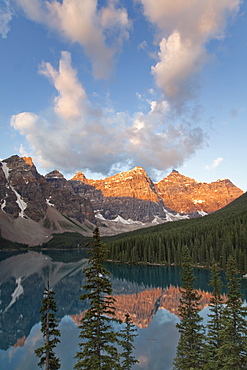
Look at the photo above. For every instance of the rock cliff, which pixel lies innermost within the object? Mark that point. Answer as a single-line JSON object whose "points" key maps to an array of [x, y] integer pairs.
{"points": [[32, 209], [134, 197], [130, 195], [185, 195]]}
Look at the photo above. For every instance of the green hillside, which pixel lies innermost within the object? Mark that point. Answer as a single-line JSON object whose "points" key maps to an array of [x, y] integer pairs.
{"points": [[215, 236]]}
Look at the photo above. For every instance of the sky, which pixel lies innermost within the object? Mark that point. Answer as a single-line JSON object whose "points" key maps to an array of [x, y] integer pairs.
{"points": [[105, 86]]}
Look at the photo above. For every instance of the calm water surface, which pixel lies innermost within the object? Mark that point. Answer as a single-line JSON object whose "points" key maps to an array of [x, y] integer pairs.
{"points": [[149, 293]]}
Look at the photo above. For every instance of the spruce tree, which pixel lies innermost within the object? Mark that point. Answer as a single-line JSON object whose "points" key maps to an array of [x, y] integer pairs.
{"points": [[127, 336], [50, 332], [98, 350], [232, 353], [190, 349], [215, 321]]}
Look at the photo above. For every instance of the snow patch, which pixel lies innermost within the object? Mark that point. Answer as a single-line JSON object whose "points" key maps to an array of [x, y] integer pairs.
{"points": [[196, 201], [156, 220], [121, 220], [3, 205], [16, 293], [202, 213], [6, 170], [174, 217], [100, 216], [118, 219], [21, 204], [49, 203]]}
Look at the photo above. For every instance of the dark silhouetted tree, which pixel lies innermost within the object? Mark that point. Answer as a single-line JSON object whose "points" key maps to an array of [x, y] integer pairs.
{"points": [[232, 353], [215, 321], [127, 336], [98, 350], [190, 349], [50, 332]]}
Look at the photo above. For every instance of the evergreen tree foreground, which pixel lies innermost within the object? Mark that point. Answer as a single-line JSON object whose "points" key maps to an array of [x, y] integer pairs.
{"points": [[232, 352], [190, 349], [213, 341], [50, 332], [98, 350], [127, 336]]}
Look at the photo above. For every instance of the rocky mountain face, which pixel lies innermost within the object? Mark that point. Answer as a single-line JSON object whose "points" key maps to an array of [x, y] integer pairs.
{"points": [[132, 197], [69, 204], [33, 207], [129, 195], [185, 195]]}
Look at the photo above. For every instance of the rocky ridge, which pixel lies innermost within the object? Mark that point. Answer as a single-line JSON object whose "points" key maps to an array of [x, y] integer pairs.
{"points": [[185, 195], [126, 197], [34, 207], [132, 196]]}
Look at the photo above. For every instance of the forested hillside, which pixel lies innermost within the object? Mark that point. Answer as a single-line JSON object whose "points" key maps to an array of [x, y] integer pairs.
{"points": [[215, 236]]}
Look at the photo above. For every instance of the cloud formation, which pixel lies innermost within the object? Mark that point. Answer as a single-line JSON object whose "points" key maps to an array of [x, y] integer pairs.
{"points": [[80, 137], [68, 104], [100, 32], [6, 15], [179, 61], [184, 28], [215, 163]]}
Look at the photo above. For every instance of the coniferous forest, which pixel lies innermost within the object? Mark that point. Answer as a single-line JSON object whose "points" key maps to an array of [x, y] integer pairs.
{"points": [[220, 344], [210, 238]]}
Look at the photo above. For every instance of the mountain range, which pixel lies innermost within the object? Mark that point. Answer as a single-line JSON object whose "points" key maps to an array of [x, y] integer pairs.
{"points": [[34, 207]]}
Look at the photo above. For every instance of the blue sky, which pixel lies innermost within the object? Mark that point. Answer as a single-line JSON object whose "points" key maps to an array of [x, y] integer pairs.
{"points": [[104, 86]]}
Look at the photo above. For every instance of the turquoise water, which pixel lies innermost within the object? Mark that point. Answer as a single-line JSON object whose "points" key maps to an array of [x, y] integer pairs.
{"points": [[148, 293]]}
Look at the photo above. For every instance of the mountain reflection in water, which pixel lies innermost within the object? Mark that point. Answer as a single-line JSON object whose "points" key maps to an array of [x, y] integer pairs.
{"points": [[149, 293]]}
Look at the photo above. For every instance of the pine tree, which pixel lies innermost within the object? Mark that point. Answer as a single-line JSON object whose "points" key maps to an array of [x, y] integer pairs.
{"points": [[50, 332], [190, 349], [215, 323], [98, 351], [127, 336], [232, 352]]}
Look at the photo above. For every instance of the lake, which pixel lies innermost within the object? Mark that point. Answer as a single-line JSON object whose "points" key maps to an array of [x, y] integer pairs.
{"points": [[150, 294]]}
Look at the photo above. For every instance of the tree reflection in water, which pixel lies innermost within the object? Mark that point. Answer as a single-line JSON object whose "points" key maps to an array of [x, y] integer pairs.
{"points": [[149, 293]]}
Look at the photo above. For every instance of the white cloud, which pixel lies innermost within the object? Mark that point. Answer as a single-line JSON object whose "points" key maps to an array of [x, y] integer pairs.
{"points": [[143, 45], [184, 28], [179, 60], [194, 19], [160, 147], [68, 104], [215, 163], [6, 15], [24, 122], [116, 20], [100, 31], [79, 137]]}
